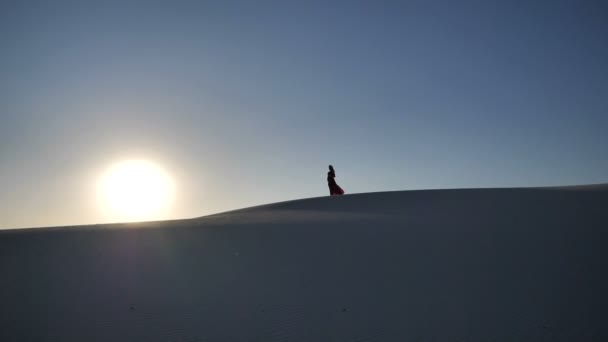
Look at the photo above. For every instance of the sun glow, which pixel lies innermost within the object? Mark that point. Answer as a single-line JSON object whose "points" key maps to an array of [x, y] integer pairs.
{"points": [[135, 190]]}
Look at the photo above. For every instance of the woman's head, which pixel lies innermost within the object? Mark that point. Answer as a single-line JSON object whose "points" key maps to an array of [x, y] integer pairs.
{"points": [[331, 167]]}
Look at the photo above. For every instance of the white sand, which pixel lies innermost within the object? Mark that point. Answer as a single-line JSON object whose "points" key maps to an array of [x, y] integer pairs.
{"points": [[442, 265]]}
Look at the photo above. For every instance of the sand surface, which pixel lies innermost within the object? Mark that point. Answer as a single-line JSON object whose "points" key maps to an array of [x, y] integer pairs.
{"points": [[438, 265]]}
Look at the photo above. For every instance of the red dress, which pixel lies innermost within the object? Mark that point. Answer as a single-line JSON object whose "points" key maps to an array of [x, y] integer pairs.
{"points": [[334, 188]]}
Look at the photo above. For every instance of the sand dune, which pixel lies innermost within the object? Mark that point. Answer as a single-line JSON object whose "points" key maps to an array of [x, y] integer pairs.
{"points": [[523, 264]]}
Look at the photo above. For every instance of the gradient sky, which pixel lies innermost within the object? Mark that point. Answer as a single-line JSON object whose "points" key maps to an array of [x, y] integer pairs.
{"points": [[246, 102]]}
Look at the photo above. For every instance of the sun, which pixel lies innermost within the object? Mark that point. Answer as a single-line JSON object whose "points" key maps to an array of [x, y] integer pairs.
{"points": [[135, 190]]}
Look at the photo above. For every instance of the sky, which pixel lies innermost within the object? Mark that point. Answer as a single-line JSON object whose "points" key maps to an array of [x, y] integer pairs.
{"points": [[247, 102]]}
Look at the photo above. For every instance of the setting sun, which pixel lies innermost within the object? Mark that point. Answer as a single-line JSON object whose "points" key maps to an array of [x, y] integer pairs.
{"points": [[135, 190]]}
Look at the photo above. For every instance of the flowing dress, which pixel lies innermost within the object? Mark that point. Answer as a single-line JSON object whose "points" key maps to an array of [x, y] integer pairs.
{"points": [[334, 188]]}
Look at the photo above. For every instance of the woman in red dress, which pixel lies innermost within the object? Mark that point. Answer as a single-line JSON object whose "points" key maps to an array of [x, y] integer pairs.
{"points": [[334, 188]]}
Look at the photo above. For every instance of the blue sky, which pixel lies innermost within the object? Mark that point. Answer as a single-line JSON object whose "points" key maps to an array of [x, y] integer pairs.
{"points": [[246, 102]]}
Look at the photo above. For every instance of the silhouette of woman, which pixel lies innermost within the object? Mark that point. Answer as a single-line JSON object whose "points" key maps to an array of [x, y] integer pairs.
{"points": [[334, 188]]}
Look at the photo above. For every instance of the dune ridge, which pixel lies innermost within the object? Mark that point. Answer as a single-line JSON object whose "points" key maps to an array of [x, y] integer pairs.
{"points": [[462, 265]]}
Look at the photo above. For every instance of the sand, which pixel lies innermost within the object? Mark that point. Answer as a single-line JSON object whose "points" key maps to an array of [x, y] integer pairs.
{"points": [[523, 264]]}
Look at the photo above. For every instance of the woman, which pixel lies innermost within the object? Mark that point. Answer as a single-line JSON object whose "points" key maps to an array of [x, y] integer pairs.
{"points": [[334, 189]]}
